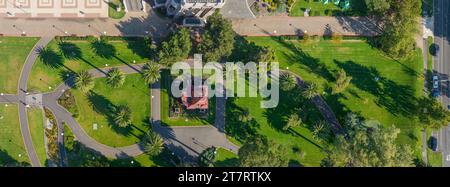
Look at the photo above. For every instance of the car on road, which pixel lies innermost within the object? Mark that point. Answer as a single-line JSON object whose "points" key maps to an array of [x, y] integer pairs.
{"points": [[435, 91], [434, 143]]}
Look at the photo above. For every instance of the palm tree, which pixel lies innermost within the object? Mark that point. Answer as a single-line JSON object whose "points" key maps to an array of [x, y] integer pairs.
{"points": [[153, 143], [115, 78], [207, 157], [84, 81], [123, 116], [287, 82], [310, 91], [293, 121], [151, 73]]}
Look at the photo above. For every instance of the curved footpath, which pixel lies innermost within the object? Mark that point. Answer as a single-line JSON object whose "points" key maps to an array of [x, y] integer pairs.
{"points": [[22, 93]]}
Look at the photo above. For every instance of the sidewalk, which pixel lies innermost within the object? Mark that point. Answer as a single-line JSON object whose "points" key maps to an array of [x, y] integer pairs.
{"points": [[285, 25]]}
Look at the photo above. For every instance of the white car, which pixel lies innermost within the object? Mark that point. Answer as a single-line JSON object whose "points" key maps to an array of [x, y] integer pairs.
{"points": [[435, 82]]}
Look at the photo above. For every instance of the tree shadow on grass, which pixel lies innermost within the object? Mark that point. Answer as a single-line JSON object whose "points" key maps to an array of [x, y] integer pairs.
{"points": [[397, 99], [50, 57], [105, 107], [139, 47], [7, 161], [298, 56], [237, 128], [103, 49], [70, 50]]}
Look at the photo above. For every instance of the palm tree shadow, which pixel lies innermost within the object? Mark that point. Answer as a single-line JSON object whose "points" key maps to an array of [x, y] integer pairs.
{"points": [[103, 49], [50, 57], [101, 105]]}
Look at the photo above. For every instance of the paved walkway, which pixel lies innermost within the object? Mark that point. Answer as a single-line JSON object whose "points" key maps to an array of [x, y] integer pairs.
{"points": [[237, 9], [285, 25], [22, 94], [134, 24]]}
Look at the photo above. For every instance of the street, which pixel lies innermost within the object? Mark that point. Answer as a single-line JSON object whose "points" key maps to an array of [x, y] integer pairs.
{"points": [[441, 64]]}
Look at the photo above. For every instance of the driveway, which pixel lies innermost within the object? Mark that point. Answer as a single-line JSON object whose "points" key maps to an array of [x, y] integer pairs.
{"points": [[237, 9]]}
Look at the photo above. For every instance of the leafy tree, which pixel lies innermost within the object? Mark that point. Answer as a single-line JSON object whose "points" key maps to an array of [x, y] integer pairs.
{"points": [[260, 152], [369, 146], [177, 48], [310, 90], [287, 82], [115, 78], [123, 116], [265, 54], [378, 7], [218, 39], [400, 27], [207, 157], [84, 81], [431, 114], [293, 121], [151, 73], [342, 81], [153, 143]]}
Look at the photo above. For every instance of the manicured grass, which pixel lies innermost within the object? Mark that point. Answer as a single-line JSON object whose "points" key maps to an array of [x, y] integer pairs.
{"points": [[12, 148], [13, 53], [382, 89], [267, 123], [36, 122], [80, 157], [98, 106], [429, 63], [113, 13], [225, 158], [330, 9], [46, 76], [316, 6], [182, 120]]}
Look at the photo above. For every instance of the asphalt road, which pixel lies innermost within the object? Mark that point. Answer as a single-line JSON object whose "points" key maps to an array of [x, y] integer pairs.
{"points": [[442, 68]]}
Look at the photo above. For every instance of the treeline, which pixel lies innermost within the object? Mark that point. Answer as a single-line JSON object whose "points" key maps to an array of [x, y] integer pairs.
{"points": [[399, 21]]}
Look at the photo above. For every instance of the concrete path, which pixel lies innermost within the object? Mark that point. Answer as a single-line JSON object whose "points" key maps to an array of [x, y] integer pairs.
{"points": [[285, 25], [9, 98], [237, 9], [133, 24], [22, 93]]}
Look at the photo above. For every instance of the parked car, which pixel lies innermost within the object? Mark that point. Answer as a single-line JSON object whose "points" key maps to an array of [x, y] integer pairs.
{"points": [[435, 82], [434, 143]]}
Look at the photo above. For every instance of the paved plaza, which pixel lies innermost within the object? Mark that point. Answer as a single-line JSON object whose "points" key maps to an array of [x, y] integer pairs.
{"points": [[54, 8]]}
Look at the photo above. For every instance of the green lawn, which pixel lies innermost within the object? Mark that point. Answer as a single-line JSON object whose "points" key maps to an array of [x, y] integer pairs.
{"points": [[36, 122], [113, 13], [382, 89], [12, 148], [225, 158], [79, 55], [13, 53], [330, 9], [166, 82], [98, 106], [82, 157]]}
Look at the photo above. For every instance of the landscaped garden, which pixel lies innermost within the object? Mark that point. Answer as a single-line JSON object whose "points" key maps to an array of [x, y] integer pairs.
{"points": [[36, 122], [13, 53], [60, 59], [382, 89], [327, 7], [116, 9], [169, 103], [97, 109], [80, 156], [12, 148]]}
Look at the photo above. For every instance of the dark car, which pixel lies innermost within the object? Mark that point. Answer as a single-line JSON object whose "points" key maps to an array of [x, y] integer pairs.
{"points": [[435, 93], [433, 143]]}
